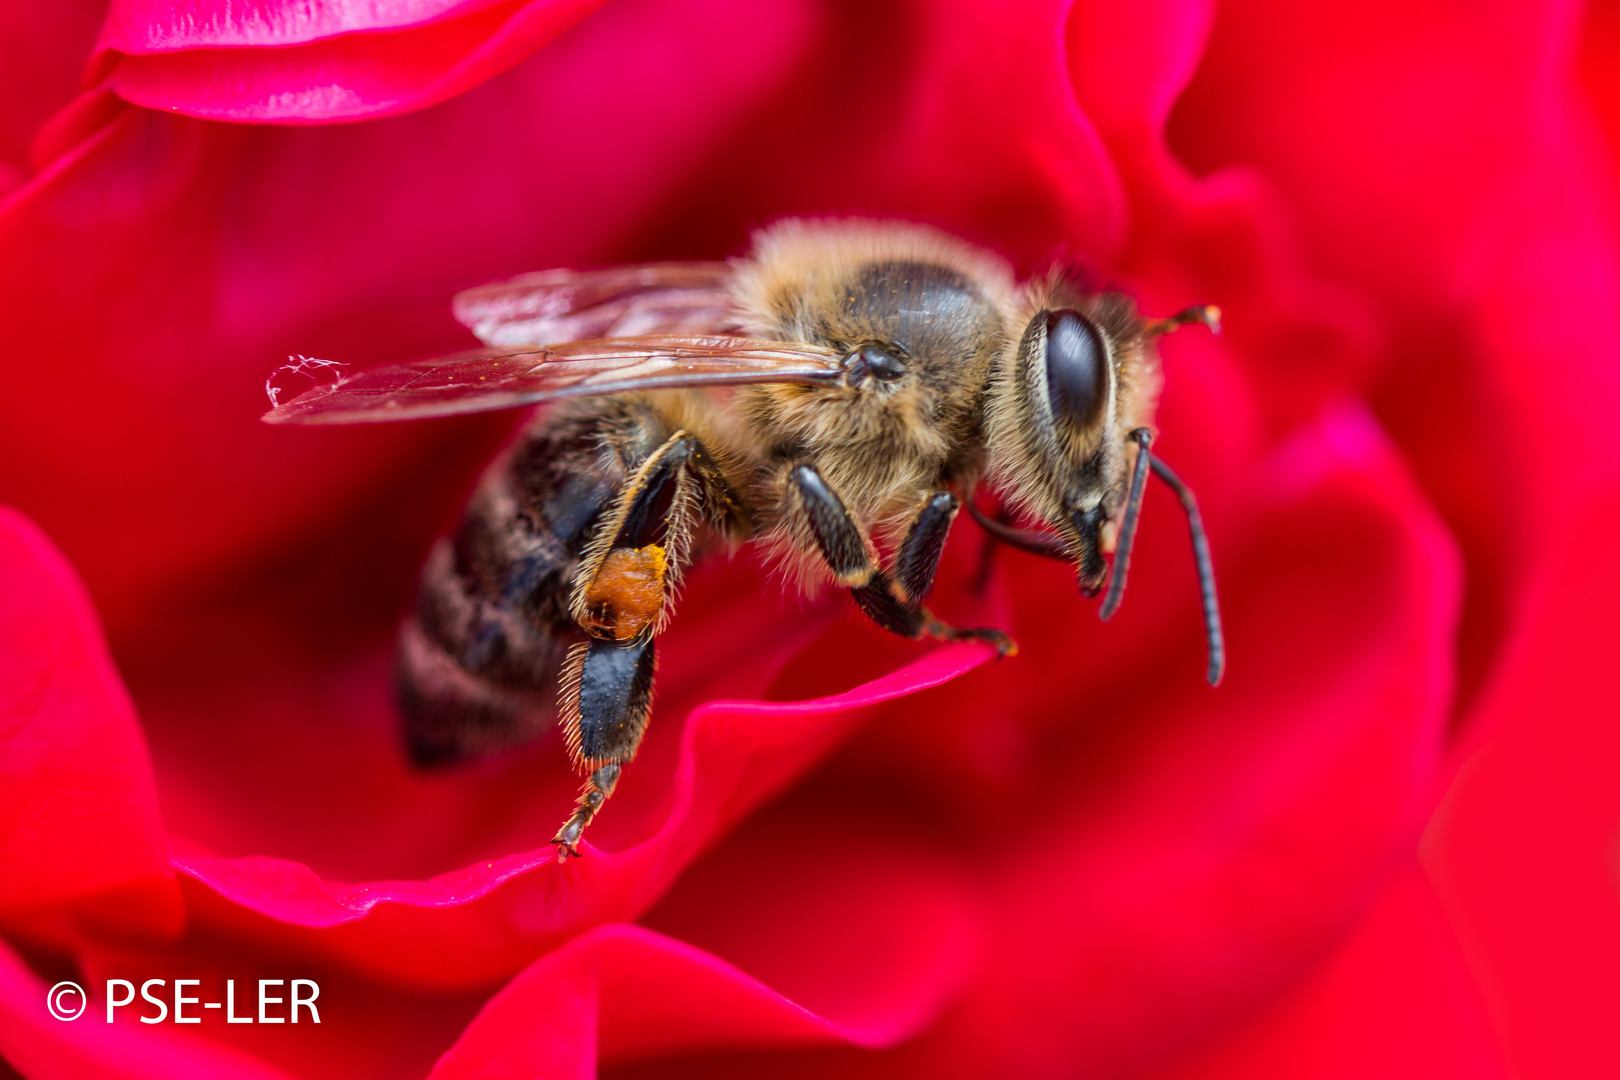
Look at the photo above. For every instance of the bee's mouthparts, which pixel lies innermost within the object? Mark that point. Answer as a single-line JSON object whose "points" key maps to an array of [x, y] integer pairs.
{"points": [[1088, 524]]}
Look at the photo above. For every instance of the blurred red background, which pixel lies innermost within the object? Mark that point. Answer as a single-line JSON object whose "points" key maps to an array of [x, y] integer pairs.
{"points": [[1411, 207]]}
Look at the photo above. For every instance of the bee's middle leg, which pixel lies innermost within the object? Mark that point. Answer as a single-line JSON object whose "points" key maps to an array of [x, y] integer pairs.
{"points": [[894, 601]]}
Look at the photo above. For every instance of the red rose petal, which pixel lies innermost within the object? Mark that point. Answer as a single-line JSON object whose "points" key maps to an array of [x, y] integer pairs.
{"points": [[42, 49], [1226, 239], [144, 27], [640, 993], [225, 488], [1479, 234], [1173, 836], [870, 924], [1256, 820], [1159, 856], [1291, 89], [316, 63], [948, 112], [1142, 879], [481, 922], [1395, 1001], [314, 770], [882, 939], [78, 814], [1522, 852], [344, 243], [1130, 63], [900, 933], [991, 141]]}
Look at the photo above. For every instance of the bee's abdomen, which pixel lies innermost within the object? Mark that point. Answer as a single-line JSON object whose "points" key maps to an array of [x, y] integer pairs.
{"points": [[480, 654]]}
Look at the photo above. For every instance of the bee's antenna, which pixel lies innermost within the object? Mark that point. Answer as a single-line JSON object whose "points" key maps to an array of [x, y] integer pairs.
{"points": [[1206, 567], [1127, 530], [1208, 314]]}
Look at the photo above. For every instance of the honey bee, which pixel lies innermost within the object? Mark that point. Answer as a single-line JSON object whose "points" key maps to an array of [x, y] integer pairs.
{"points": [[839, 393]]}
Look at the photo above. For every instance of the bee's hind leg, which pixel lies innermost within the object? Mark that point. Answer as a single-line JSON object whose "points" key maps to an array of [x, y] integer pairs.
{"points": [[619, 600], [894, 602]]}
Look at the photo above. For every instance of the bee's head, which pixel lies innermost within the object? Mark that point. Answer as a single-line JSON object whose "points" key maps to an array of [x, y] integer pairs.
{"points": [[1066, 391]]}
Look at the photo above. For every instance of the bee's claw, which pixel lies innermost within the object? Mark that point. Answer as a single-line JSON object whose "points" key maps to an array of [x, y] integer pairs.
{"points": [[567, 839], [598, 787], [1004, 645]]}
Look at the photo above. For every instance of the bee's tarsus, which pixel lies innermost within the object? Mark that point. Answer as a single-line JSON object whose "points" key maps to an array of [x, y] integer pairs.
{"points": [[598, 786], [1002, 642]]}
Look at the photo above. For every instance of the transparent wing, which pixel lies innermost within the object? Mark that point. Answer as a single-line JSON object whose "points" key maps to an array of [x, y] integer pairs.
{"points": [[555, 306], [487, 379]]}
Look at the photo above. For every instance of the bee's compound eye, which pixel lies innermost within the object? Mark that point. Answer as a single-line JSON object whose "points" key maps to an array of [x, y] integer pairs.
{"points": [[878, 362], [1076, 367]]}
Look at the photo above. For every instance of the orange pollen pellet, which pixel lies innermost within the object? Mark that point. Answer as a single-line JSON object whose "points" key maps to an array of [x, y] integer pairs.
{"points": [[628, 593]]}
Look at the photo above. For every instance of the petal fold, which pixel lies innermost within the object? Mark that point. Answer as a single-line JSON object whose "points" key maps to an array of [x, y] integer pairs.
{"points": [[640, 994], [271, 62], [482, 922], [78, 811]]}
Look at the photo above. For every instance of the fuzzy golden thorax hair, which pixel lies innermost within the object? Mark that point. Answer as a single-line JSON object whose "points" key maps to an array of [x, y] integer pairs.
{"points": [[933, 308]]}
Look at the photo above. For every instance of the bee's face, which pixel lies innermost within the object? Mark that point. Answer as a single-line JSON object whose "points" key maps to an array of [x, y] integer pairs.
{"points": [[1059, 407]]}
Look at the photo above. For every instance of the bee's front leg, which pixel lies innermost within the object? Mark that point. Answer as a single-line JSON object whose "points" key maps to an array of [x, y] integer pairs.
{"points": [[893, 601]]}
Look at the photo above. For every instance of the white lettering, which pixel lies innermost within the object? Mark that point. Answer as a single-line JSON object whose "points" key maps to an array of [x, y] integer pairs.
{"points": [[112, 1002], [163, 1007], [230, 1005], [315, 992], [181, 1001], [263, 1001]]}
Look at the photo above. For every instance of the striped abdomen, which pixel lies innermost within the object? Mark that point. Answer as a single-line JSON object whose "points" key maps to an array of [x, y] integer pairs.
{"points": [[480, 655]]}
